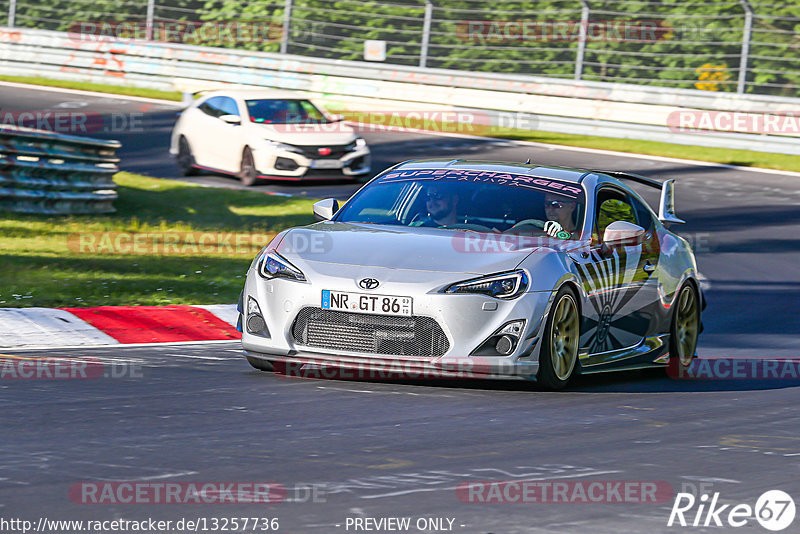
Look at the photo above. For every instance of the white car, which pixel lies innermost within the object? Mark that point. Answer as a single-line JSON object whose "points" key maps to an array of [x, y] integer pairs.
{"points": [[263, 134]]}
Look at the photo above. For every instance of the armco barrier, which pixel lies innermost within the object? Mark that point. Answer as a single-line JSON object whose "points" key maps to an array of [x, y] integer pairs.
{"points": [[45, 172], [613, 110]]}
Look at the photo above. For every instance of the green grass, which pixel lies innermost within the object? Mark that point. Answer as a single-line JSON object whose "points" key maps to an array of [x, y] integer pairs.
{"points": [[746, 158], [43, 261], [97, 87]]}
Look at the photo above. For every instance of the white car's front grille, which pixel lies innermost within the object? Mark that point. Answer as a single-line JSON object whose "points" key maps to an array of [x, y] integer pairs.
{"points": [[375, 334]]}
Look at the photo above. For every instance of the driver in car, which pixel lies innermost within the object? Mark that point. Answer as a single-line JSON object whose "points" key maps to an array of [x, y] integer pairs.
{"points": [[441, 203], [560, 217]]}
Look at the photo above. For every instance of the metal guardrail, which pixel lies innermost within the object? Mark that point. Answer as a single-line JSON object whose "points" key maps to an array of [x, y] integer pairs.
{"points": [[738, 46], [565, 106], [49, 173]]}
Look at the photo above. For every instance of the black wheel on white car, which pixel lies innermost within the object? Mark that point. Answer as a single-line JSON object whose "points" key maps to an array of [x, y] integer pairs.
{"points": [[248, 173], [558, 356], [186, 163]]}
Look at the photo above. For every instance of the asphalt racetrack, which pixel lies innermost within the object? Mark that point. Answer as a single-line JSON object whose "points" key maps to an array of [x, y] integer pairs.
{"points": [[347, 449]]}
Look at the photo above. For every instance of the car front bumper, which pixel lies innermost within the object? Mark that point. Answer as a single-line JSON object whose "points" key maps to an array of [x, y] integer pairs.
{"points": [[291, 165], [467, 321]]}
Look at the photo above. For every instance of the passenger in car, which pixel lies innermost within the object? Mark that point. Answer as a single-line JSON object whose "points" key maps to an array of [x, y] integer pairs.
{"points": [[441, 203]]}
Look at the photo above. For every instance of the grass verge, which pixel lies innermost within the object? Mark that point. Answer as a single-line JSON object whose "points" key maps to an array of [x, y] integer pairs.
{"points": [[745, 158], [169, 243], [97, 87]]}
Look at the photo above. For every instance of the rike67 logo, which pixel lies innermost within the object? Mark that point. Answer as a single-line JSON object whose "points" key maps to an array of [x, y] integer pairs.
{"points": [[774, 510]]}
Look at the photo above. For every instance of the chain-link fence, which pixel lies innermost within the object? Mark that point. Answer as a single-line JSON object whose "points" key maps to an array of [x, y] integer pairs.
{"points": [[745, 46]]}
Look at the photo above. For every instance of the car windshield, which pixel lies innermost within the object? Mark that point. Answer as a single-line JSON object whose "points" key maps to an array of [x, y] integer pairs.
{"points": [[284, 111], [481, 201]]}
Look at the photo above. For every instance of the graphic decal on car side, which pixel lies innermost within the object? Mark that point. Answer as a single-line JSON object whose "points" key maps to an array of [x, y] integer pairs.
{"points": [[608, 282]]}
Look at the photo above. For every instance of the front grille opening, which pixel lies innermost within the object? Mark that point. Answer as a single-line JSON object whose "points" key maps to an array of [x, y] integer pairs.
{"points": [[373, 334]]}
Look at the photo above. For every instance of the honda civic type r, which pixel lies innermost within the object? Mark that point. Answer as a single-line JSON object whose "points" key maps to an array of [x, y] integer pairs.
{"points": [[512, 270], [258, 134]]}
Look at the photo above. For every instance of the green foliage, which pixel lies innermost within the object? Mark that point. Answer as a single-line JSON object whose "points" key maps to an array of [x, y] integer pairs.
{"points": [[670, 43]]}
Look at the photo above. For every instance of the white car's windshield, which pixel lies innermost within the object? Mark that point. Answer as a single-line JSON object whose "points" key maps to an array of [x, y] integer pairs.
{"points": [[284, 111], [483, 201]]}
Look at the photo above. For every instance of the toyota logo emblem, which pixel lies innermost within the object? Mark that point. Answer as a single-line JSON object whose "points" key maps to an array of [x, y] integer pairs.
{"points": [[368, 283]]}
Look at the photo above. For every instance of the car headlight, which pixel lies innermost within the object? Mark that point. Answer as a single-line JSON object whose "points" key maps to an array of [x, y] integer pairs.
{"points": [[273, 265], [282, 146], [355, 145], [501, 286]]}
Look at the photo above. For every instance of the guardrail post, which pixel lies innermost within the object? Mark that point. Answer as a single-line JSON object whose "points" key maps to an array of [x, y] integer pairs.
{"points": [[584, 31], [287, 23], [12, 13], [148, 23], [426, 34], [746, 34]]}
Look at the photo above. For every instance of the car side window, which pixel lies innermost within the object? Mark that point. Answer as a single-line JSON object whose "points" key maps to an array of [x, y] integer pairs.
{"points": [[643, 215], [612, 206], [212, 107], [228, 106]]}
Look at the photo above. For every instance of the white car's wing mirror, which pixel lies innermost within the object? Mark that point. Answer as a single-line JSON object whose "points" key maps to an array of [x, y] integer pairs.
{"points": [[231, 119], [324, 210]]}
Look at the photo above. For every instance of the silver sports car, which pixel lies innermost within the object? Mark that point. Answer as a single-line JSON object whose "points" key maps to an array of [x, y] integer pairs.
{"points": [[477, 269]]}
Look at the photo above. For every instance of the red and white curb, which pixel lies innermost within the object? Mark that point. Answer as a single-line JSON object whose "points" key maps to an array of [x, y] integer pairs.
{"points": [[114, 325]]}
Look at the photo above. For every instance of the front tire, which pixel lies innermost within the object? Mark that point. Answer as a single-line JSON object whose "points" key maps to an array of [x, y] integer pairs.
{"points": [[558, 357], [685, 327], [186, 163], [248, 173]]}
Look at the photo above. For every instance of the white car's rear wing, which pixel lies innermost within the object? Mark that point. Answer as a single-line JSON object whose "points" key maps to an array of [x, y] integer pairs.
{"points": [[666, 209]]}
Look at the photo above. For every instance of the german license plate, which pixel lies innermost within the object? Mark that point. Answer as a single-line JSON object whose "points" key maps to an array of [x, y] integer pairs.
{"points": [[363, 303], [326, 164]]}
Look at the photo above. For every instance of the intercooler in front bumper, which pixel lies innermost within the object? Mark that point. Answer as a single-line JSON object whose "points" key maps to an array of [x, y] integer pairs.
{"points": [[367, 333]]}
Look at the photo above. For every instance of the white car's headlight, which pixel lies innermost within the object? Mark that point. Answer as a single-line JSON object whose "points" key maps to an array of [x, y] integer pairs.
{"points": [[360, 143], [273, 265], [283, 146], [501, 286]]}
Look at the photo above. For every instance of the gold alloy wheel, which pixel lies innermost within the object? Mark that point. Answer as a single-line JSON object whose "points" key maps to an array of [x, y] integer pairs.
{"points": [[564, 338], [686, 323]]}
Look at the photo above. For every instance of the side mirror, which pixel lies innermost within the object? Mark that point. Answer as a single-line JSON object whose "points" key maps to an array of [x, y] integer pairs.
{"points": [[324, 210], [336, 118], [621, 233], [231, 119]]}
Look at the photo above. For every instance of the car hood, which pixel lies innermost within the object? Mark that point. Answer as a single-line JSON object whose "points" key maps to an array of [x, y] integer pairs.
{"points": [[419, 249], [302, 134]]}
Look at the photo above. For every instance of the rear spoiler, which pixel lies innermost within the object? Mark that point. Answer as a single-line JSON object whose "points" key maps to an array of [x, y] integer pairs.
{"points": [[666, 210]]}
